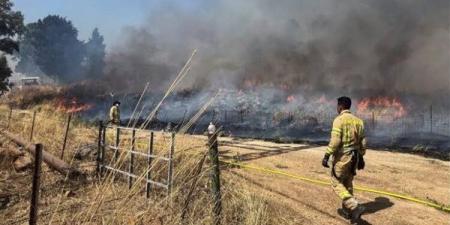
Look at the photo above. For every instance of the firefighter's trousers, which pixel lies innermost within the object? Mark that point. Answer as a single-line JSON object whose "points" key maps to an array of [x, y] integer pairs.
{"points": [[342, 180]]}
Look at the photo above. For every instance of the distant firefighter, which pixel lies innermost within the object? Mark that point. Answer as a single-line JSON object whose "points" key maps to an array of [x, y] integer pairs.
{"points": [[114, 113], [347, 146]]}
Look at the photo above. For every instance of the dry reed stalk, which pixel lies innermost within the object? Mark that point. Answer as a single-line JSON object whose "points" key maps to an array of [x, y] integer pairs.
{"points": [[177, 80], [137, 104], [194, 119], [169, 91], [139, 115]]}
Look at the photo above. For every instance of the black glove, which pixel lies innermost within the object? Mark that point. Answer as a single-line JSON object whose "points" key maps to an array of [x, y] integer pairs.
{"points": [[325, 160], [361, 163]]}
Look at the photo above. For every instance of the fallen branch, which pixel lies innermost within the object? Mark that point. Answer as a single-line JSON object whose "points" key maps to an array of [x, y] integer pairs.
{"points": [[52, 161]]}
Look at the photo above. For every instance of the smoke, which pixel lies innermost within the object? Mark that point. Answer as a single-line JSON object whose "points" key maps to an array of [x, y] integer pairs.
{"points": [[352, 47]]}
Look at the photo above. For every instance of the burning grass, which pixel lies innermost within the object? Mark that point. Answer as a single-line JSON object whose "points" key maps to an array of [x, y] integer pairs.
{"points": [[382, 106], [64, 98]]}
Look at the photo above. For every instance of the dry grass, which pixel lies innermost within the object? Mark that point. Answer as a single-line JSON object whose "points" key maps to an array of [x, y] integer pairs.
{"points": [[108, 200], [30, 96]]}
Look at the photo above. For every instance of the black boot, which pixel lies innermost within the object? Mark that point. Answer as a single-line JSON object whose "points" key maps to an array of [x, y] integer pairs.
{"points": [[356, 213], [344, 212]]}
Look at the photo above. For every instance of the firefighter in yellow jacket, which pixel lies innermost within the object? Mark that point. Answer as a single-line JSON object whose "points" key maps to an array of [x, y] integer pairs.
{"points": [[114, 113], [347, 146]]}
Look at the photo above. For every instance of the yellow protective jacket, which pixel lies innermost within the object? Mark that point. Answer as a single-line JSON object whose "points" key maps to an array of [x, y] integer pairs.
{"points": [[347, 134], [114, 115]]}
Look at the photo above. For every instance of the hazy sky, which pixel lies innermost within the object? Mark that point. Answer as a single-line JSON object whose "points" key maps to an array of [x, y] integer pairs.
{"points": [[110, 16]]}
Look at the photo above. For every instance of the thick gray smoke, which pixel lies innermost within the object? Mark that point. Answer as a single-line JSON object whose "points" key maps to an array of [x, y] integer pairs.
{"points": [[362, 48]]}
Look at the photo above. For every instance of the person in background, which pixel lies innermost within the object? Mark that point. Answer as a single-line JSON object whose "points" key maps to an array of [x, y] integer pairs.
{"points": [[114, 113]]}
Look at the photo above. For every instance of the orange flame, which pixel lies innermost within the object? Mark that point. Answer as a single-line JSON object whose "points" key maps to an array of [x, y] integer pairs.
{"points": [[384, 106], [250, 83], [325, 100], [290, 98], [72, 106]]}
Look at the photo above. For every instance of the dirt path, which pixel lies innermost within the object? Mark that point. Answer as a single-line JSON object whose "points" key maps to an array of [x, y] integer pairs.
{"points": [[416, 176]]}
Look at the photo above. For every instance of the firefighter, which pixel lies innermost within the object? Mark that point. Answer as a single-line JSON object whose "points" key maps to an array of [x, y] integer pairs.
{"points": [[347, 146], [114, 113]]}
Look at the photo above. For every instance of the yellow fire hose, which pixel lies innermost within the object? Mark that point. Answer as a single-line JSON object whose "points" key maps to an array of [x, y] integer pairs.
{"points": [[320, 182]]}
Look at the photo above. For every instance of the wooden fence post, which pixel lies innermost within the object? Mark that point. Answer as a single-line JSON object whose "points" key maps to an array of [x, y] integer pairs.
{"points": [[131, 166], [65, 135], [9, 117], [373, 120], [103, 154], [100, 144], [424, 121], [36, 184], [116, 152], [215, 176], [149, 161], [170, 170], [32, 126], [431, 119]]}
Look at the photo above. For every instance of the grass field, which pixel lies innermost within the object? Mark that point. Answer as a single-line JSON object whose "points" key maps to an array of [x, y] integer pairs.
{"points": [[249, 197]]}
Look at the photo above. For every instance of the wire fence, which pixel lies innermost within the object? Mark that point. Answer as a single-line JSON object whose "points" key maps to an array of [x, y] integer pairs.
{"points": [[37, 127], [61, 132], [129, 165], [427, 121]]}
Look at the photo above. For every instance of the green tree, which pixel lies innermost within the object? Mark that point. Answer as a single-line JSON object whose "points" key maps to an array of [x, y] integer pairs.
{"points": [[11, 24], [95, 54], [52, 44]]}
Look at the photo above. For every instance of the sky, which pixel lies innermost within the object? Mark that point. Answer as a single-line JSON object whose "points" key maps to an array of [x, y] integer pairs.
{"points": [[110, 16]]}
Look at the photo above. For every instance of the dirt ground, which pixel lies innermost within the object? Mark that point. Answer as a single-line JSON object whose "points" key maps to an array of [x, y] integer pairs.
{"points": [[409, 174], [296, 201]]}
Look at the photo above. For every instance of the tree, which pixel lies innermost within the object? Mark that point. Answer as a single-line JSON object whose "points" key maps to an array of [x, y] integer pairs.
{"points": [[11, 24], [95, 54], [51, 43]]}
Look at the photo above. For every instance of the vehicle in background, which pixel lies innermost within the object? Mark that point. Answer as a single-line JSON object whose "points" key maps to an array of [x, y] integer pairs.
{"points": [[25, 82], [30, 81]]}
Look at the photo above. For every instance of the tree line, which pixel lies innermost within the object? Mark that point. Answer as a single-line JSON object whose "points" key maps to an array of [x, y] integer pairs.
{"points": [[48, 46]]}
